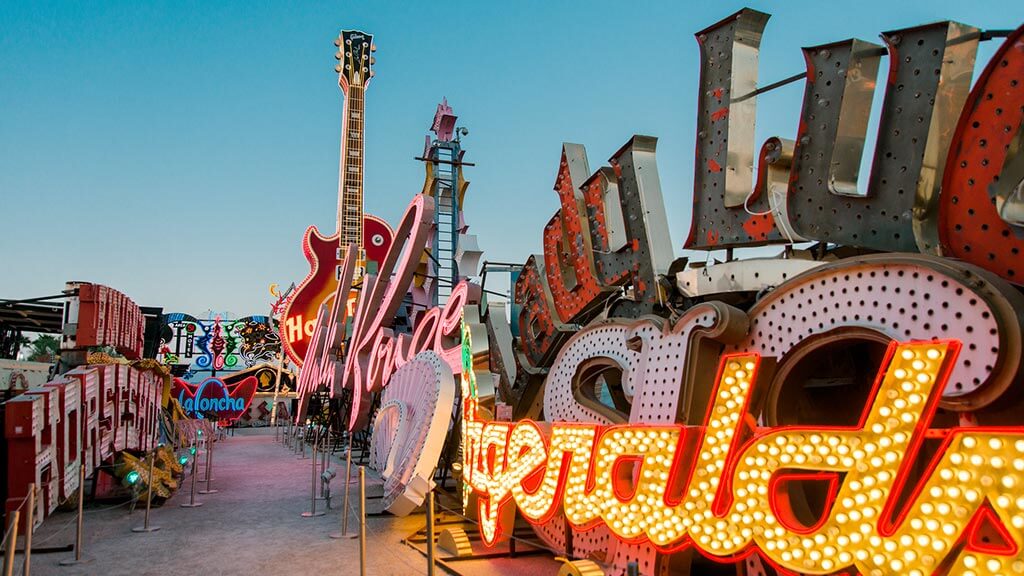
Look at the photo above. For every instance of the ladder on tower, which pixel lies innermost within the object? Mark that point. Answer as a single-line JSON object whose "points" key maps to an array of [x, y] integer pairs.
{"points": [[446, 220]]}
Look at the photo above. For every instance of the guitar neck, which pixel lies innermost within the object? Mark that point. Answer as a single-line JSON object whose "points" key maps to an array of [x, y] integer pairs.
{"points": [[350, 181]]}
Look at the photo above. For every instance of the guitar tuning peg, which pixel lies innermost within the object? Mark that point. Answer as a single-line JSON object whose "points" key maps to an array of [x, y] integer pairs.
{"points": [[373, 60], [337, 41], [373, 47], [338, 55], [338, 68], [372, 73]]}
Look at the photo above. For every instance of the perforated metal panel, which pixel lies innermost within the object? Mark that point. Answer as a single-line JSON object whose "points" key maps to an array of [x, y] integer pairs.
{"points": [[648, 247], [727, 208], [541, 332], [605, 339], [970, 223], [409, 434], [906, 297], [929, 78], [568, 253]]}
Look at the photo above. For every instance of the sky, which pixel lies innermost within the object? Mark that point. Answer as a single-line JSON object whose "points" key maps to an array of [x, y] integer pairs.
{"points": [[176, 151]]}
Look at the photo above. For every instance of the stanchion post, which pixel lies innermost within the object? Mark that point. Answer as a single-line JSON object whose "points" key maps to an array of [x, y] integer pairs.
{"points": [[79, 559], [312, 488], [325, 454], [430, 533], [362, 521], [149, 499], [192, 492], [209, 468], [12, 543], [30, 516], [344, 507]]}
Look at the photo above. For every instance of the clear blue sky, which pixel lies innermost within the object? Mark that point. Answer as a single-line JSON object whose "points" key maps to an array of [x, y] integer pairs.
{"points": [[177, 150]]}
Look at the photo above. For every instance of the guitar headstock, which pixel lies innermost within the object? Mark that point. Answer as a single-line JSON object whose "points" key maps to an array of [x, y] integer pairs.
{"points": [[355, 66]]}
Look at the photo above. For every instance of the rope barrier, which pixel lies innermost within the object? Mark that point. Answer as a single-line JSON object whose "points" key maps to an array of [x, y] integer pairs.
{"points": [[7, 532]]}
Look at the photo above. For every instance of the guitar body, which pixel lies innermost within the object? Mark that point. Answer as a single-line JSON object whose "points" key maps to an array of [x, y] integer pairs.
{"points": [[319, 286]]}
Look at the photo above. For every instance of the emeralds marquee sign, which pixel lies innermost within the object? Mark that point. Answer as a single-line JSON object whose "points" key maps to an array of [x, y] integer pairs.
{"points": [[717, 486]]}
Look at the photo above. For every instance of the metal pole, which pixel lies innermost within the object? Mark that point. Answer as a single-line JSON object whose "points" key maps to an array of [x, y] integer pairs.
{"points": [[312, 489], [362, 521], [209, 468], [149, 499], [325, 454], [192, 493], [78, 559], [12, 543], [277, 382], [430, 533], [29, 528], [344, 507]]}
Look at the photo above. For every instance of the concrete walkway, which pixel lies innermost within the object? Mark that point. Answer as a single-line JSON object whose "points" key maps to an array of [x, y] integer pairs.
{"points": [[253, 526]]}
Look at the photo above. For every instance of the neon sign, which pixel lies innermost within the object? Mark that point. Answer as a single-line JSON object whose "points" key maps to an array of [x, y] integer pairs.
{"points": [[213, 396], [375, 352], [719, 487], [410, 428]]}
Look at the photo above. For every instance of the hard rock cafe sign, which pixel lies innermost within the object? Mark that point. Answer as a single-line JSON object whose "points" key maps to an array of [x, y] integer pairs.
{"points": [[854, 407]]}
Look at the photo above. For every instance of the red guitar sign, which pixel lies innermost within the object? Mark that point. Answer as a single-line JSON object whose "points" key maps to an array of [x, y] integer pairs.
{"points": [[372, 235]]}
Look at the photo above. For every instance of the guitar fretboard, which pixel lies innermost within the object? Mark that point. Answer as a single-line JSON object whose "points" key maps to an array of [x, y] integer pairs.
{"points": [[350, 181]]}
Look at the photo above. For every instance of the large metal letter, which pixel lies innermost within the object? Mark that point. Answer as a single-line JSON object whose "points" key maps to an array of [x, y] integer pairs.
{"points": [[727, 211], [633, 190], [540, 330], [929, 78], [568, 253], [978, 192]]}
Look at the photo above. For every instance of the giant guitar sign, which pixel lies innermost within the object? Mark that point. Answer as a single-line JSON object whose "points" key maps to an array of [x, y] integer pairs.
{"points": [[371, 235]]}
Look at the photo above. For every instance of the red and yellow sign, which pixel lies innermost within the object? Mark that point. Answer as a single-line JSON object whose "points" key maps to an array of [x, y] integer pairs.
{"points": [[720, 487]]}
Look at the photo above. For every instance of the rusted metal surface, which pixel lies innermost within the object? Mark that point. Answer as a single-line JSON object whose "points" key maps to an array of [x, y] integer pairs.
{"points": [[568, 252], [970, 224], [928, 81], [727, 209], [631, 189], [543, 331], [905, 297]]}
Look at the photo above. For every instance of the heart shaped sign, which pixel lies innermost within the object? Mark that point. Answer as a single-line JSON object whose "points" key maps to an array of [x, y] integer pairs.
{"points": [[213, 398]]}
